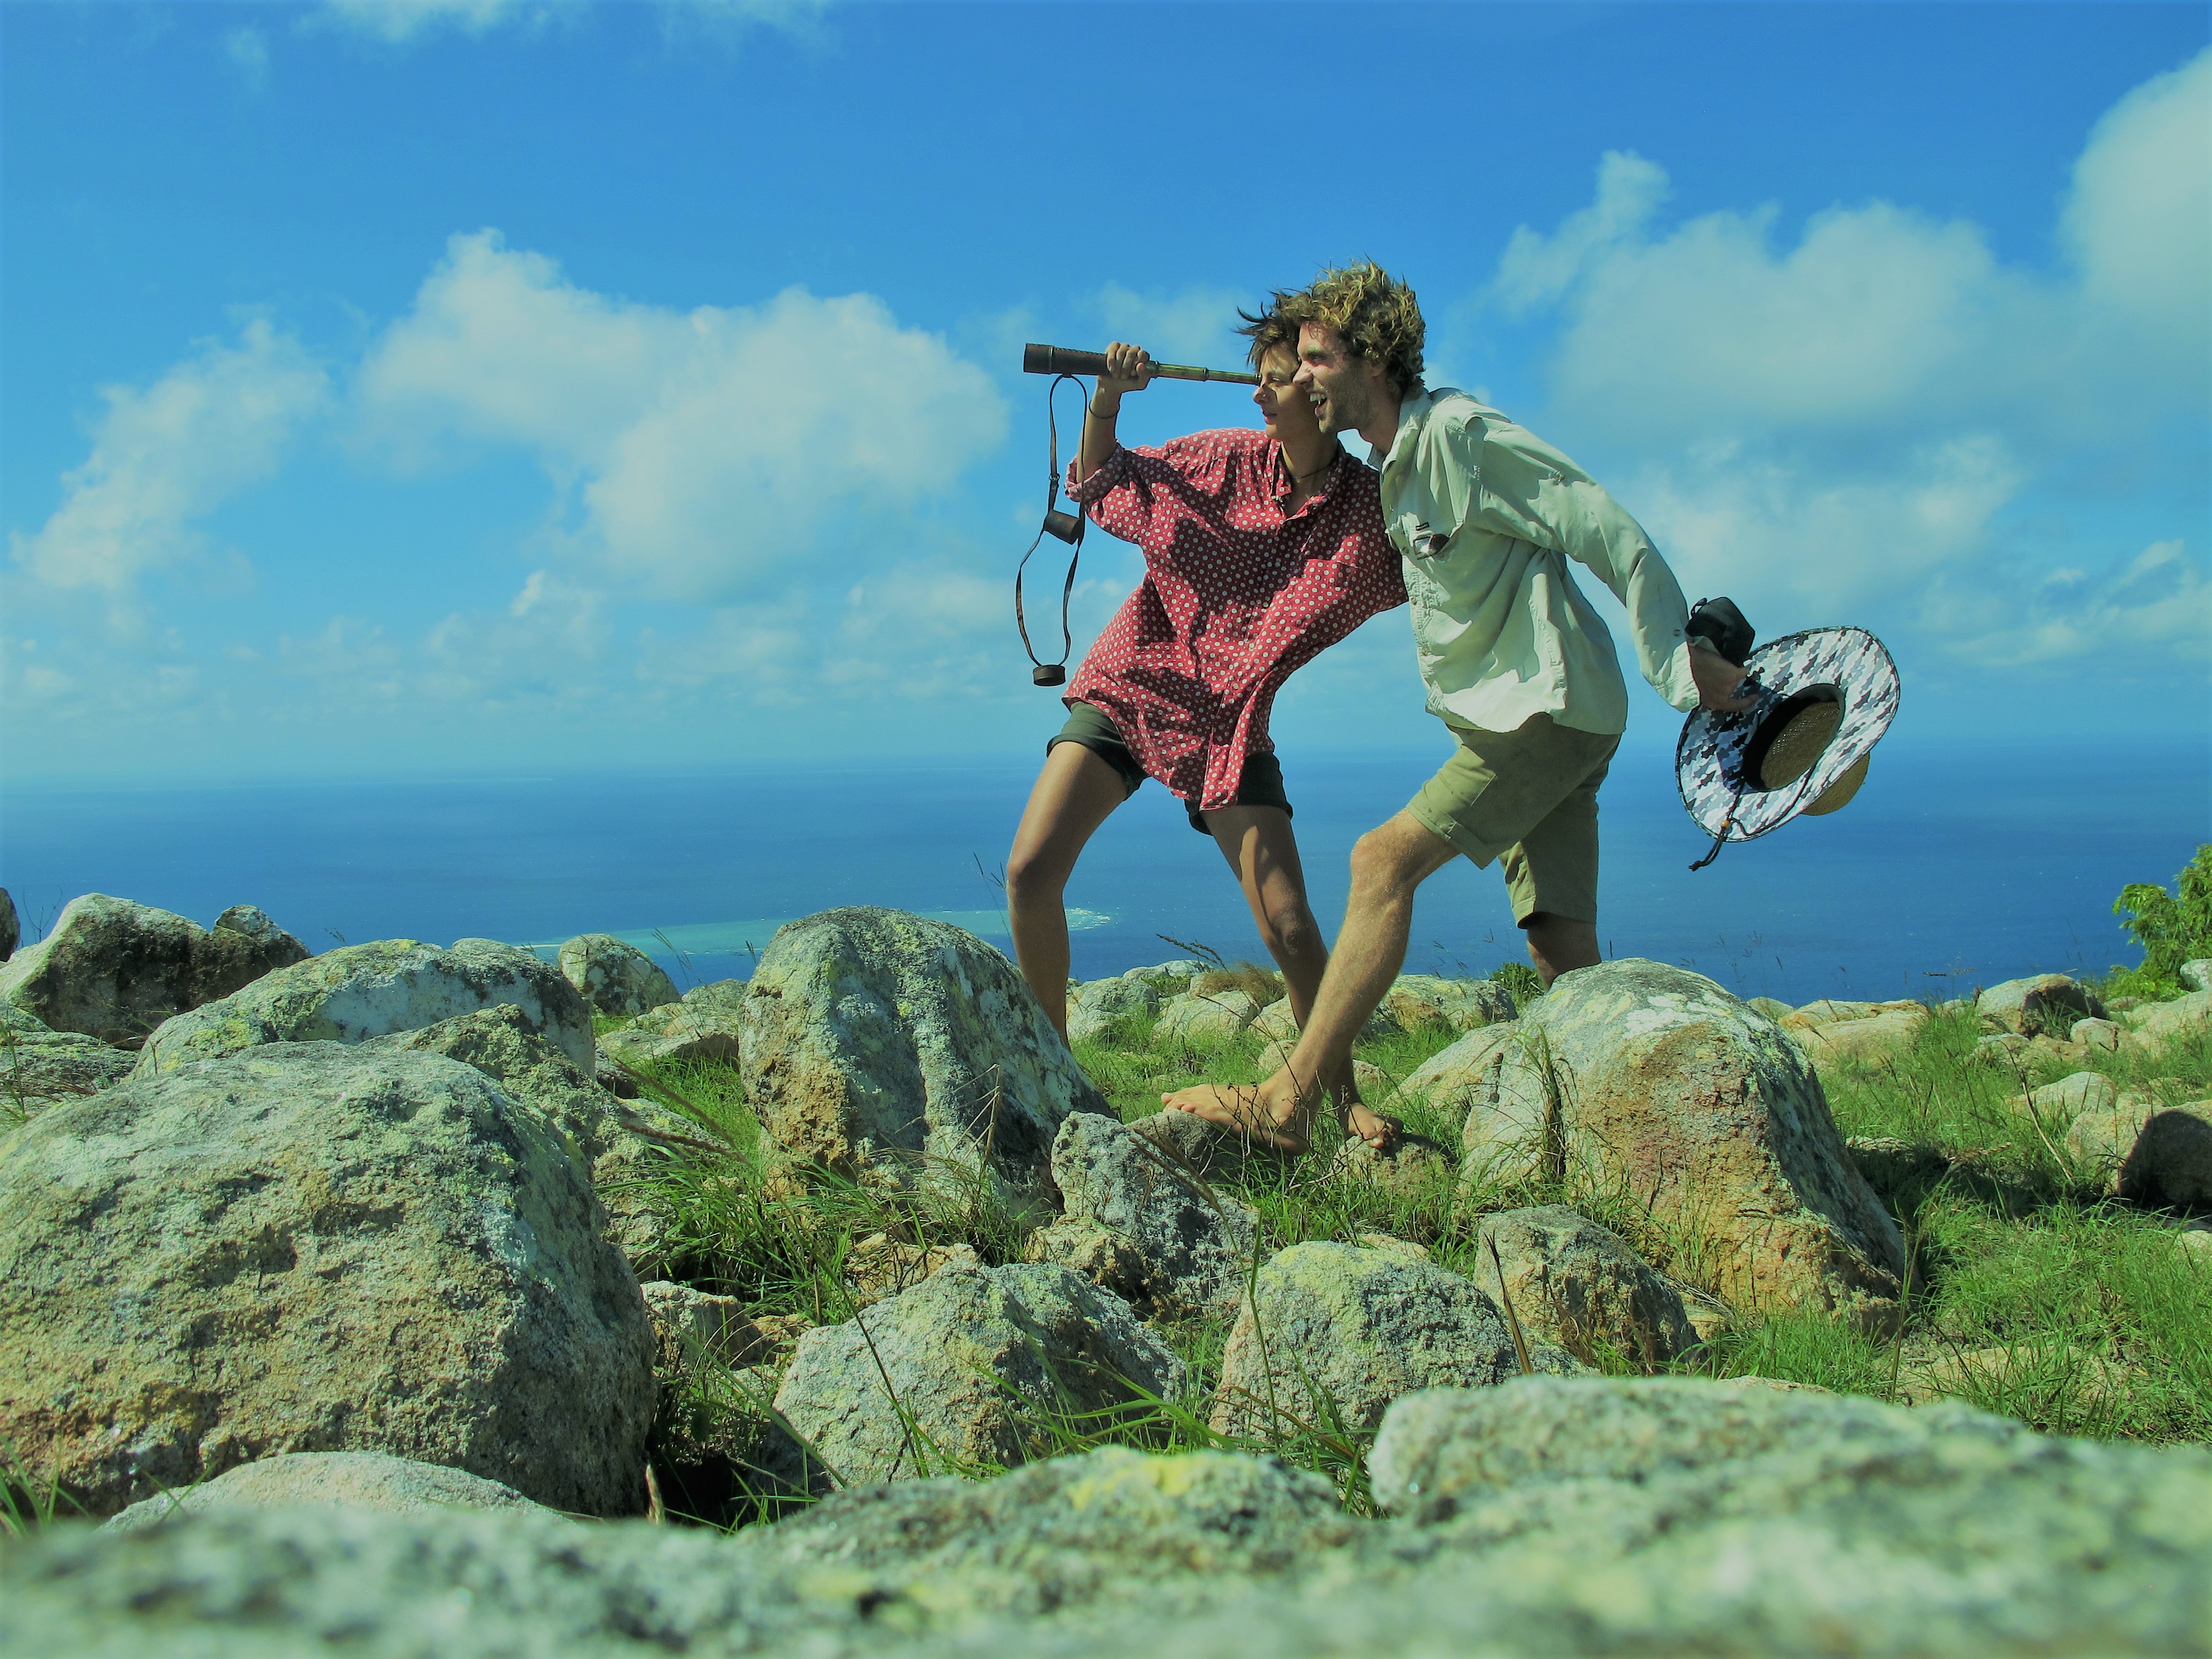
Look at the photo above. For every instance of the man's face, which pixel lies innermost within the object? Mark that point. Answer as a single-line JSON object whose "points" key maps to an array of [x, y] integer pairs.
{"points": [[1347, 392]]}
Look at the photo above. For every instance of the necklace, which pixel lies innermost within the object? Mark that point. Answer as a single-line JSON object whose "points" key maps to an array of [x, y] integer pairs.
{"points": [[1297, 477]]}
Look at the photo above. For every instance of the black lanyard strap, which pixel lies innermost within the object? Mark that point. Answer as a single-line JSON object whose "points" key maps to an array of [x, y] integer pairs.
{"points": [[1068, 527]]}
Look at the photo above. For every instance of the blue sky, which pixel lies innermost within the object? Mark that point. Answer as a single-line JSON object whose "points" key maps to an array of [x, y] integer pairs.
{"points": [[471, 385]]}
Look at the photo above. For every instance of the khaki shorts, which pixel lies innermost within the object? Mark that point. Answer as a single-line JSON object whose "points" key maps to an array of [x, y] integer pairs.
{"points": [[1530, 797]]}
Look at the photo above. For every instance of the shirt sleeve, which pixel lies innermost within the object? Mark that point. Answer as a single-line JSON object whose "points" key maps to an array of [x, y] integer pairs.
{"points": [[1520, 486], [1131, 486]]}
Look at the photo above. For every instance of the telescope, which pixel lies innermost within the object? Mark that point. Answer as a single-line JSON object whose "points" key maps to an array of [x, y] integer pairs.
{"points": [[1063, 360]]}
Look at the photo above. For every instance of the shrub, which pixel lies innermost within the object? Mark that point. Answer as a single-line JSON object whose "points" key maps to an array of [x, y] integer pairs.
{"points": [[2171, 927]]}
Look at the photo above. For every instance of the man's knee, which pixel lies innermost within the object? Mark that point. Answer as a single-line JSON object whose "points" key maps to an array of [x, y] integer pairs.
{"points": [[1388, 859]]}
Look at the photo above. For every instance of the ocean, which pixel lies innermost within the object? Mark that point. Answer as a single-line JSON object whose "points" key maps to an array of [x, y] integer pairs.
{"points": [[1957, 866]]}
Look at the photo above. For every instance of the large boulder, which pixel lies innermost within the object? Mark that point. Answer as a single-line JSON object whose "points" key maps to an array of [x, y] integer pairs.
{"points": [[362, 991], [1334, 1333], [623, 1145], [38, 1066], [335, 1481], [707, 1023], [1579, 1285], [950, 1376], [1649, 1081], [1418, 1002], [115, 970], [883, 1043], [1463, 1083], [313, 1247], [1187, 1247], [2148, 1153], [614, 977], [2042, 1005]]}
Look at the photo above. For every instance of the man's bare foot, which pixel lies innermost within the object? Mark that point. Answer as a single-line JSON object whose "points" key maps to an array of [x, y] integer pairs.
{"points": [[1270, 1114]]}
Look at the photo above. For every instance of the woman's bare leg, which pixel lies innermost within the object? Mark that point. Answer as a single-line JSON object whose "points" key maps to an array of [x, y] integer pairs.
{"points": [[1074, 793], [1258, 843]]}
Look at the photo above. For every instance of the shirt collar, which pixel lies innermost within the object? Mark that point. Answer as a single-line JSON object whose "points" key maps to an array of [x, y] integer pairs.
{"points": [[1411, 414], [1281, 482]]}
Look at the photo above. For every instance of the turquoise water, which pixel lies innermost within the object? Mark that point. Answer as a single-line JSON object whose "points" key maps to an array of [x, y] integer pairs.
{"points": [[1953, 867]]}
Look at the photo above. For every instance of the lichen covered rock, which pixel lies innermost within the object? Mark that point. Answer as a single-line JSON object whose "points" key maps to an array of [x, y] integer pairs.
{"points": [[339, 1480], [311, 1248], [2042, 1005], [614, 977], [1579, 1285], [38, 1066], [707, 1023]]}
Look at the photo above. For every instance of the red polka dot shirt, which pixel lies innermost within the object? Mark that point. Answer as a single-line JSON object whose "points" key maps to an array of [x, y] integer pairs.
{"points": [[1236, 596]]}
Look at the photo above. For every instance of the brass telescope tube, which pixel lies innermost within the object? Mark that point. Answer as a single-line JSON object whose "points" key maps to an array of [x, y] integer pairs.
{"points": [[1063, 360]]}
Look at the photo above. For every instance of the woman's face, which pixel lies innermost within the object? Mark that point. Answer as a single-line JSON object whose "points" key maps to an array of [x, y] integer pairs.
{"points": [[1287, 411]]}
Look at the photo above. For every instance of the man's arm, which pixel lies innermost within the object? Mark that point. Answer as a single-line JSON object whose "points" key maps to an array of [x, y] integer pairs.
{"points": [[1128, 368]]}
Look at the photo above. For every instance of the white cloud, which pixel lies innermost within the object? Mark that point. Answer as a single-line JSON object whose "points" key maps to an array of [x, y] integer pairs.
{"points": [[708, 451], [399, 20], [168, 455], [1193, 326], [1536, 270], [247, 49]]}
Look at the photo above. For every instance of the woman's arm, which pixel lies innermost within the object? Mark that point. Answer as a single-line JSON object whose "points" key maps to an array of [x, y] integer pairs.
{"points": [[1128, 368]]}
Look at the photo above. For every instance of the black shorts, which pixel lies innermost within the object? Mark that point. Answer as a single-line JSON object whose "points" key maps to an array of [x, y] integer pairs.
{"points": [[1261, 784]]}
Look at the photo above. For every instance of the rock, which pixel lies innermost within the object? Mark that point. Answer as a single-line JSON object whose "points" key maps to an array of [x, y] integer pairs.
{"points": [[1579, 1286], [707, 1023], [2196, 975], [2003, 1048], [1860, 1031], [1204, 1147], [1415, 1167], [2170, 1160], [1418, 1002], [880, 1041], [329, 1480], [362, 991], [716, 1449], [1890, 1164], [313, 1248], [114, 969], [1099, 1004], [1653, 1081], [1464, 1084], [2195, 1244], [1205, 1017], [2036, 1005], [1106, 1260], [1191, 1246], [2100, 1034], [613, 977], [1109, 1525], [11, 930], [2062, 1101], [38, 1066], [2159, 1023], [620, 1144], [1170, 976], [1334, 1333], [691, 1327], [1997, 1378], [879, 1265], [967, 1355], [1772, 1007]]}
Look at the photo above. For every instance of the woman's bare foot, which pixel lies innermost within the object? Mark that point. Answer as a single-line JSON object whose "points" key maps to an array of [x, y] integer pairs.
{"points": [[1271, 1114], [1360, 1119]]}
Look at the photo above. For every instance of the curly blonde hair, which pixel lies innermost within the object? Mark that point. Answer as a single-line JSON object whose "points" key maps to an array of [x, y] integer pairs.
{"points": [[1374, 314]]}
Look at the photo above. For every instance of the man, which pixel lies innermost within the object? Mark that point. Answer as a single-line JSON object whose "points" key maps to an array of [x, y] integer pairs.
{"points": [[1518, 666]]}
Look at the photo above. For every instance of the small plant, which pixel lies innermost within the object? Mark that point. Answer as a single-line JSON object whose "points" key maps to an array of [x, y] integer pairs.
{"points": [[2171, 927], [1519, 980], [1263, 985]]}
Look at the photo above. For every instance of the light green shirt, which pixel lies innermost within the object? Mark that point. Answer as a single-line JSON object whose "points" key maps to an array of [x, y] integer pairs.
{"points": [[1485, 516]]}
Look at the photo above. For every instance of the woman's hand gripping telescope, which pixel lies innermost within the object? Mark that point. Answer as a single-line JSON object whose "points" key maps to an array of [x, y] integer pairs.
{"points": [[1128, 368]]}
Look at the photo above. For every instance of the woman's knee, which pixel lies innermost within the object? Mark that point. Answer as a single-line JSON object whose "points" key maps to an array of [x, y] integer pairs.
{"points": [[1036, 873], [1290, 929]]}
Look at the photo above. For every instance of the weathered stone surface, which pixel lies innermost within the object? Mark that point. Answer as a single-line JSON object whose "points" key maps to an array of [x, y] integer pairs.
{"points": [[115, 970], [2099, 1033], [614, 977], [880, 1266], [1106, 1260], [1413, 1166], [1335, 1332], [2170, 1160], [707, 1023], [38, 1066], [2196, 975], [1580, 1286], [1772, 1007], [362, 991], [1860, 1031], [2062, 1101], [1419, 1002], [2158, 1024], [1192, 1245], [2000, 1048], [619, 1144], [1653, 1080], [1465, 1082], [1098, 1004], [2040, 1005], [1205, 1017], [880, 1041], [313, 1248], [1111, 1526], [335, 1481], [691, 1327], [963, 1352], [716, 1450]]}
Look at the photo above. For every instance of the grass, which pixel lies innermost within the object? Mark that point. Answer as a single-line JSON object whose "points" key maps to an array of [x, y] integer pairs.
{"points": [[2030, 1293]]}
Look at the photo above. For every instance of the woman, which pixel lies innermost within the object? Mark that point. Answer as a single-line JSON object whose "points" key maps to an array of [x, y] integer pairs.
{"points": [[1260, 549]]}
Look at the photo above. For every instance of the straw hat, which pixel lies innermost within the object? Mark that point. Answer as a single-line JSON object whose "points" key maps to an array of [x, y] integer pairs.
{"points": [[1825, 698]]}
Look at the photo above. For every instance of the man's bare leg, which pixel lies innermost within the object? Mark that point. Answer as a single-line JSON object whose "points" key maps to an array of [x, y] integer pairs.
{"points": [[1074, 793], [1388, 865], [1558, 945], [1260, 847]]}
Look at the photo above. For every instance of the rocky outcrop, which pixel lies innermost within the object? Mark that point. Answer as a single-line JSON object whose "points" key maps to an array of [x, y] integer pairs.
{"points": [[707, 1023], [1205, 1017], [1652, 1081], [1418, 1002], [114, 969], [613, 977], [1578, 1285], [2042, 1005], [1832, 1031], [38, 1066], [329, 1480], [882, 1043], [362, 991], [622, 1145], [1334, 1333], [944, 1376], [313, 1247], [1183, 1250]]}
